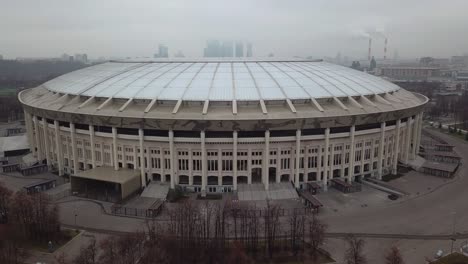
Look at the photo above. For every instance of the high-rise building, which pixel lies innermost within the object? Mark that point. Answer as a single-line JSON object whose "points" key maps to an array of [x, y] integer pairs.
{"points": [[1, 57], [213, 49], [249, 50], [227, 49], [179, 54], [163, 52], [239, 49], [81, 57]]}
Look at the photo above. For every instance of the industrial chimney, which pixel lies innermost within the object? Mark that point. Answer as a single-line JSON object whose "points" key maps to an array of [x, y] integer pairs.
{"points": [[385, 50]]}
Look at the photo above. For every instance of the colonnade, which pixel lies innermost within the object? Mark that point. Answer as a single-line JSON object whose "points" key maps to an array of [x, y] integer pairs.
{"points": [[399, 142]]}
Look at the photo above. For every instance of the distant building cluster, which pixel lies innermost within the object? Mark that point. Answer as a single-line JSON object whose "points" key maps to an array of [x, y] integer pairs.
{"points": [[79, 57], [1, 57], [227, 49], [163, 52]]}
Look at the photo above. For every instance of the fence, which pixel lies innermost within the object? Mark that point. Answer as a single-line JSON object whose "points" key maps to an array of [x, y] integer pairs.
{"points": [[137, 212], [281, 211]]}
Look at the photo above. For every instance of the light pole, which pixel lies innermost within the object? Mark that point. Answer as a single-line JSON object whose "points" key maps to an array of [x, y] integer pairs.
{"points": [[75, 213], [453, 231]]}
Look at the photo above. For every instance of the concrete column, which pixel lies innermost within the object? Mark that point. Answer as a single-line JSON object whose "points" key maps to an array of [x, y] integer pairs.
{"points": [[363, 150], [92, 143], [397, 147], [142, 158], [46, 141], [266, 160], [73, 142], [249, 166], [372, 159], [332, 159], [415, 136], [37, 141], [352, 150], [135, 157], [381, 149], [114, 147], [408, 140], [325, 159], [234, 161], [58, 143], [342, 165], [306, 165], [172, 155], [319, 164], [298, 156], [220, 167], [29, 129], [204, 163], [190, 166], [278, 164], [420, 124], [163, 164]]}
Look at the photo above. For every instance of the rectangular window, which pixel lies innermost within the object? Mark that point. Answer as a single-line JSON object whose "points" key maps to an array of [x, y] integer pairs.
{"points": [[242, 165], [212, 165], [227, 165], [197, 165]]}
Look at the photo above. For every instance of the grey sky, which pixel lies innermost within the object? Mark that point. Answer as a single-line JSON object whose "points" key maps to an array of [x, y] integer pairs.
{"points": [[287, 28]]}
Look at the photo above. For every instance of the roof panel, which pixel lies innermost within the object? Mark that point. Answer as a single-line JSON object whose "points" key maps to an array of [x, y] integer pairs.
{"points": [[213, 80]]}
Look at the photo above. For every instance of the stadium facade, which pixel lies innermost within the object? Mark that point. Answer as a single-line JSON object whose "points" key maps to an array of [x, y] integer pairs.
{"points": [[210, 125]]}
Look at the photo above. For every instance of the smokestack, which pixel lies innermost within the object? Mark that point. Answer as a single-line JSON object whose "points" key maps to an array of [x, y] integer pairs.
{"points": [[385, 50], [370, 47]]}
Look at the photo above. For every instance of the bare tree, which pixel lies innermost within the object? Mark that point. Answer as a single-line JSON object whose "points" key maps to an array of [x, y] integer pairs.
{"points": [[237, 255], [87, 255], [5, 199], [316, 234], [34, 217], [354, 254], [296, 231], [393, 256], [126, 249], [272, 227]]}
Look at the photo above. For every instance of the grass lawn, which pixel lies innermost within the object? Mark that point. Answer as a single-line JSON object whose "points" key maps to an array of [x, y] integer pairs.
{"points": [[454, 258], [65, 236]]}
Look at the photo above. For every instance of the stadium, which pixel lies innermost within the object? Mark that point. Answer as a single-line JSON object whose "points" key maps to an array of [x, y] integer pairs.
{"points": [[211, 125]]}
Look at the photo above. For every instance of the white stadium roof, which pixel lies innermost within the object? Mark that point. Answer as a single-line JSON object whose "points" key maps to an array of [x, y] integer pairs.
{"points": [[219, 80]]}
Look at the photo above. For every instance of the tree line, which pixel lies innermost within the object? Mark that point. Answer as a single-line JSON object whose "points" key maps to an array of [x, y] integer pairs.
{"points": [[24, 220], [214, 233]]}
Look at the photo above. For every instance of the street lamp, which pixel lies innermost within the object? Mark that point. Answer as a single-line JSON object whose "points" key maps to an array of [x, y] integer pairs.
{"points": [[453, 231], [75, 213]]}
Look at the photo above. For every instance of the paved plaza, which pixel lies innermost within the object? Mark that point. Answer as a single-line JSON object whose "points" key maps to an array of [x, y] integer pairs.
{"points": [[257, 192]]}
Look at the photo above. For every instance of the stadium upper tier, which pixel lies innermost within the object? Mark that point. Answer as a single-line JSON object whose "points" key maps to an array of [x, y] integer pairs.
{"points": [[219, 80]]}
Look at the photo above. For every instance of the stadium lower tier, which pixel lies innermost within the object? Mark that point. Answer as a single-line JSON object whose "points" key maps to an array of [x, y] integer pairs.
{"points": [[218, 162]]}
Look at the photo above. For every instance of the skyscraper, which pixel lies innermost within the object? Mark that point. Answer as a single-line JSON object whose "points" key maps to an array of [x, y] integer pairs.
{"points": [[249, 50], [239, 49], [163, 52], [213, 49]]}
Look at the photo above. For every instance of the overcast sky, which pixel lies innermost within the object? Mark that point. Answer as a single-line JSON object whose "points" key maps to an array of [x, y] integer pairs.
{"points": [[41, 28]]}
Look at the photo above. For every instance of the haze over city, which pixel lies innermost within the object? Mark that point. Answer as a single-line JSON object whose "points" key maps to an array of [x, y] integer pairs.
{"points": [[285, 28]]}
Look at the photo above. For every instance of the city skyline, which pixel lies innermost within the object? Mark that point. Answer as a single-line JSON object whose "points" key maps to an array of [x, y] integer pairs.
{"points": [[301, 28]]}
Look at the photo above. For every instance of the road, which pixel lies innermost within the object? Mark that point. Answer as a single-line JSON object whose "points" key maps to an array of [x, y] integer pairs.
{"points": [[431, 214], [428, 216]]}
